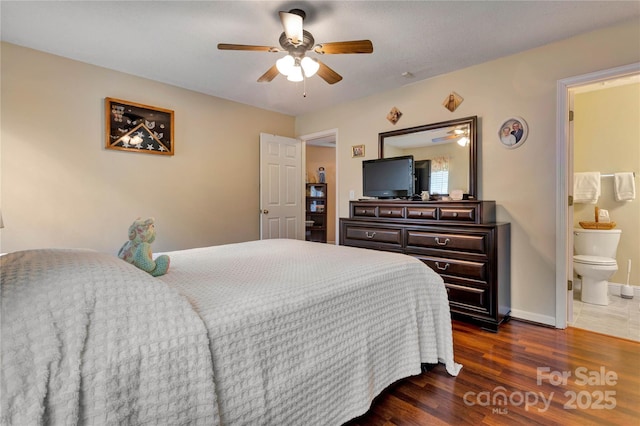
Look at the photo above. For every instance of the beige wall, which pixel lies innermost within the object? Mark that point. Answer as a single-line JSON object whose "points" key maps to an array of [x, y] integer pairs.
{"points": [[607, 139], [522, 181], [319, 156], [61, 188]]}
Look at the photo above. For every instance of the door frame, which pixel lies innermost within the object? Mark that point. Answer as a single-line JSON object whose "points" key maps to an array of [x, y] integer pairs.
{"points": [[323, 134], [564, 177]]}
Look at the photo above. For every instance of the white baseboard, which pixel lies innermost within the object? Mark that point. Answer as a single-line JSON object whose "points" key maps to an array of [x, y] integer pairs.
{"points": [[614, 289], [533, 317]]}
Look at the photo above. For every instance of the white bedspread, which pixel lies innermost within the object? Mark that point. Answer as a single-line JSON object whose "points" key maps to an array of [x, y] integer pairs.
{"points": [[308, 334], [90, 339]]}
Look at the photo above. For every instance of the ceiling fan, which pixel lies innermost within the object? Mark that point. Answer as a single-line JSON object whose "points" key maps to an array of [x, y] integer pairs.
{"points": [[460, 132], [297, 42]]}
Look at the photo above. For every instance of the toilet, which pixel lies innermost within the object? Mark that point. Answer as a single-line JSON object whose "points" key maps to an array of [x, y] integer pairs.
{"points": [[595, 261]]}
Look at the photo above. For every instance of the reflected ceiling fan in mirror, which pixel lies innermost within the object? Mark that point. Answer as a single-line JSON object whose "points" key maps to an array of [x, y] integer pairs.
{"points": [[461, 133], [296, 41]]}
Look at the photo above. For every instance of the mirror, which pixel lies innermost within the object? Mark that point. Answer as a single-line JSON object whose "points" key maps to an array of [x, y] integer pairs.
{"points": [[445, 154]]}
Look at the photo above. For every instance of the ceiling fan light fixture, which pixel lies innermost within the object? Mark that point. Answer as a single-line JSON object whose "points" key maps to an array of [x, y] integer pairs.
{"points": [[285, 64], [310, 66], [295, 74]]}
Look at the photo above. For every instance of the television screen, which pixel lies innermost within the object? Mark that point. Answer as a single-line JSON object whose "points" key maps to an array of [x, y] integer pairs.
{"points": [[388, 177]]}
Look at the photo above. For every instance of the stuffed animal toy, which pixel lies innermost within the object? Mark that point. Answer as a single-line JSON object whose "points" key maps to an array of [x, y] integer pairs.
{"points": [[137, 250]]}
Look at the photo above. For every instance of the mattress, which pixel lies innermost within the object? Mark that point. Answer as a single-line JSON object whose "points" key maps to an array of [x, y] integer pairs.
{"points": [[309, 333]]}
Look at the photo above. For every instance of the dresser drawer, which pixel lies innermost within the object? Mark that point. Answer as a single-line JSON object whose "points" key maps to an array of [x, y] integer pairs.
{"points": [[471, 243], [469, 298], [462, 214], [364, 211], [456, 267], [385, 211], [422, 213], [372, 237]]}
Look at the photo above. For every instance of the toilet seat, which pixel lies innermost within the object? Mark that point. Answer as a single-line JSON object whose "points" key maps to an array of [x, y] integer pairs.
{"points": [[594, 260]]}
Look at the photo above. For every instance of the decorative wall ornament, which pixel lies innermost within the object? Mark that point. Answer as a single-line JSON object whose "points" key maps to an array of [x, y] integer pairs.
{"points": [[453, 101], [357, 151], [394, 115], [513, 132], [140, 128]]}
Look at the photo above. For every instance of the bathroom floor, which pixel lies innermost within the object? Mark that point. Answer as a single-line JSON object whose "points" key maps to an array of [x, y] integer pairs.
{"points": [[621, 318]]}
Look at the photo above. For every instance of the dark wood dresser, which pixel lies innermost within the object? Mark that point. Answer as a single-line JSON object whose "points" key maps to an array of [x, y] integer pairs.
{"points": [[458, 239]]}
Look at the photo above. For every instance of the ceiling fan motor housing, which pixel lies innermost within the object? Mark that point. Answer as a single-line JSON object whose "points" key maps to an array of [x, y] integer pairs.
{"points": [[297, 51]]}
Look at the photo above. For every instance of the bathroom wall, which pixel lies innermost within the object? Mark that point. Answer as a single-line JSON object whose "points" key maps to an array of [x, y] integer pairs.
{"points": [[607, 139]]}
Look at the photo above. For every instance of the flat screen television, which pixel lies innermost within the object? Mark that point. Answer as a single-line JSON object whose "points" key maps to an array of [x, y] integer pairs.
{"points": [[388, 177]]}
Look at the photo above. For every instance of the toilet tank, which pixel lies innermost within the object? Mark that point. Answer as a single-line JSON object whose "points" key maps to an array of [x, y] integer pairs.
{"points": [[596, 242]]}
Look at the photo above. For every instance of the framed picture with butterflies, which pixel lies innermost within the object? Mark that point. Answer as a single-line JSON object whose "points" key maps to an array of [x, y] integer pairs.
{"points": [[138, 128]]}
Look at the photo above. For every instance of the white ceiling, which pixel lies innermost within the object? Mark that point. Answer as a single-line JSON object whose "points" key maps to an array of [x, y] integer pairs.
{"points": [[175, 42]]}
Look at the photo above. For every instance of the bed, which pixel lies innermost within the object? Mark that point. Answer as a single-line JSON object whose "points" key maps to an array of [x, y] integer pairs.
{"points": [[265, 332]]}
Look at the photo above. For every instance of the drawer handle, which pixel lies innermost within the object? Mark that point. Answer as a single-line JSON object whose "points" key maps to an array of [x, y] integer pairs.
{"points": [[442, 268], [370, 235], [442, 243], [455, 214]]}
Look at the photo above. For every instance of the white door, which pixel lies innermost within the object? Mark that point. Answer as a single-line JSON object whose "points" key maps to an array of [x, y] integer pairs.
{"points": [[281, 193]]}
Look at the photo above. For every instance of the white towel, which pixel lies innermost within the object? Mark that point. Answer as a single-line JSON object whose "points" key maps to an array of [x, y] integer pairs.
{"points": [[624, 186], [586, 187]]}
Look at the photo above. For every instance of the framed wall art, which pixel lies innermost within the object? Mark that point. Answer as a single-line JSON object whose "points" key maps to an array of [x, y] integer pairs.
{"points": [[357, 151], [139, 128], [513, 132]]}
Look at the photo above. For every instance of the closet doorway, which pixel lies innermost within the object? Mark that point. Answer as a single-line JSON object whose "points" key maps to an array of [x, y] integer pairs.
{"points": [[320, 151]]}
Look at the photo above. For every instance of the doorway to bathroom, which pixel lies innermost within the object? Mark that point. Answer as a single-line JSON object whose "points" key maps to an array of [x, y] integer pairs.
{"points": [[599, 130]]}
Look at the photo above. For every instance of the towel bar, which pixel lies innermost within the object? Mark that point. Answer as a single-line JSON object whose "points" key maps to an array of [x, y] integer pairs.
{"points": [[613, 174]]}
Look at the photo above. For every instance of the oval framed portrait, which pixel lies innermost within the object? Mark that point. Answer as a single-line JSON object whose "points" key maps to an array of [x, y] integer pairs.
{"points": [[513, 132]]}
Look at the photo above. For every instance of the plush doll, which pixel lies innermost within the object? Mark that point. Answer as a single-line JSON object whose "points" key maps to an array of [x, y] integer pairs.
{"points": [[137, 250]]}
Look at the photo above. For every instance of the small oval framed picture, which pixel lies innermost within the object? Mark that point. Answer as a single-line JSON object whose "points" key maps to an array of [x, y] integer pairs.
{"points": [[513, 132]]}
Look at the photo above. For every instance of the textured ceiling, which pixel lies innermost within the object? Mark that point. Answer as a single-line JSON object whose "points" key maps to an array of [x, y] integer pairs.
{"points": [[175, 42]]}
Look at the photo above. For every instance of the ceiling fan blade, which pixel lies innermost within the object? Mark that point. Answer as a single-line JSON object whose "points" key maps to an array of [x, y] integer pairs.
{"points": [[269, 75], [446, 138], [292, 24], [327, 74], [356, 46], [226, 46]]}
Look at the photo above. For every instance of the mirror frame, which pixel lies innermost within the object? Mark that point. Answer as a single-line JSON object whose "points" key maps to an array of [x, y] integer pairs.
{"points": [[473, 144]]}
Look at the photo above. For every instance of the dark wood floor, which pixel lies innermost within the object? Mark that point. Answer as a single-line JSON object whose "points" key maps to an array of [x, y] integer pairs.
{"points": [[507, 365]]}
